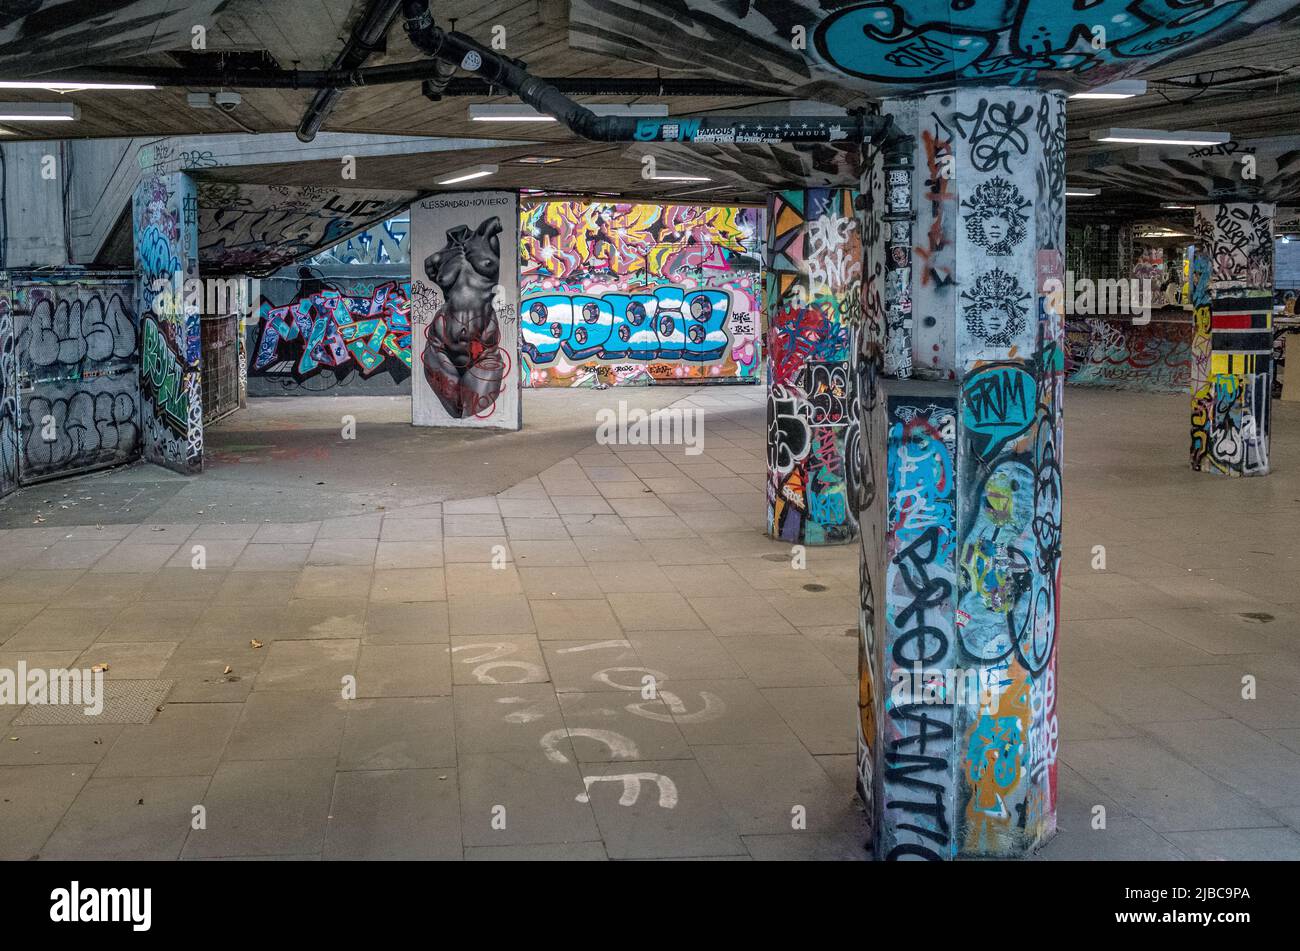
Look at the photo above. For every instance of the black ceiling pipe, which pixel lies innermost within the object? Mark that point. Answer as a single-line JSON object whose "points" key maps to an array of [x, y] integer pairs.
{"points": [[503, 73], [366, 36]]}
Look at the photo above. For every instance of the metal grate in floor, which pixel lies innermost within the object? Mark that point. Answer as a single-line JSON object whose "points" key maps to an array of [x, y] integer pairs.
{"points": [[125, 701]]}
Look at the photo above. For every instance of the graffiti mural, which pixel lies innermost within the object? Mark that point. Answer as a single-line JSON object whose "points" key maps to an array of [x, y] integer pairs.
{"points": [[1152, 358], [813, 292], [9, 437], [886, 47], [622, 293], [314, 333], [1232, 346], [258, 229], [388, 242], [78, 373], [465, 310], [165, 219]]}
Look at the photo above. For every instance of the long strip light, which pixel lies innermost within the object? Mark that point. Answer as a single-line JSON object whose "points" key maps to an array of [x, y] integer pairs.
{"points": [[469, 174], [1159, 137], [39, 112], [1123, 89], [54, 85]]}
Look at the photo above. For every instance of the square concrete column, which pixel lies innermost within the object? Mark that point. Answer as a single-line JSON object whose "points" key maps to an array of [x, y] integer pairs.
{"points": [[813, 298], [165, 226], [1232, 342], [959, 362]]}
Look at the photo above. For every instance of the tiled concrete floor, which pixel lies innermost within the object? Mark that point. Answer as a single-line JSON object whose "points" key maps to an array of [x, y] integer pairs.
{"points": [[498, 646]]}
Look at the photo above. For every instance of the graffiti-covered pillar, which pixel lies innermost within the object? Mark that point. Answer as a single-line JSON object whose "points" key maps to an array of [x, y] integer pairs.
{"points": [[812, 295], [959, 372], [465, 310], [1232, 342], [165, 226]]}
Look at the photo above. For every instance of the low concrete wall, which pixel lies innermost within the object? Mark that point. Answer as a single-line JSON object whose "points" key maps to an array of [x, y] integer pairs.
{"points": [[1115, 353]]}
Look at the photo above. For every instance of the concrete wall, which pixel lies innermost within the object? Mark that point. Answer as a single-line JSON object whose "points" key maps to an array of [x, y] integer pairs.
{"points": [[639, 294], [35, 212], [1118, 354]]}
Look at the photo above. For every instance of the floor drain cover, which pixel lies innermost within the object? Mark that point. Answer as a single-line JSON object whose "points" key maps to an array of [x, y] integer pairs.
{"points": [[814, 587], [1259, 616], [125, 701]]}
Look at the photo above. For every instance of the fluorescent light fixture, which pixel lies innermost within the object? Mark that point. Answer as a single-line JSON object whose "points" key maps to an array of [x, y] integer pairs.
{"points": [[1175, 206], [54, 85], [468, 174], [539, 160], [1159, 137], [679, 177], [39, 111], [1124, 89], [506, 112], [519, 112], [1082, 192]]}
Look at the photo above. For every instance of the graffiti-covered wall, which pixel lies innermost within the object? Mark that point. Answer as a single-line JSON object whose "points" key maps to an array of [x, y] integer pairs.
{"points": [[1232, 350], [78, 359], [465, 310], [813, 293], [332, 329], [8, 395], [259, 228], [388, 242], [639, 293], [1118, 354], [165, 229]]}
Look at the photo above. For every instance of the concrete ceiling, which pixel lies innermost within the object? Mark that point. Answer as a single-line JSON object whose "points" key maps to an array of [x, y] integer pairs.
{"points": [[1244, 78]]}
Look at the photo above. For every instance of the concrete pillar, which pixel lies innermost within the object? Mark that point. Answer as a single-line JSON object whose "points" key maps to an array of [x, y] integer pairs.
{"points": [[1232, 343], [960, 368], [165, 225], [813, 298]]}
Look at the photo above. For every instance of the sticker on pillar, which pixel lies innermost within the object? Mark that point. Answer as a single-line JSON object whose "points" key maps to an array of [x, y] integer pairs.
{"points": [[997, 406], [465, 311], [995, 316]]}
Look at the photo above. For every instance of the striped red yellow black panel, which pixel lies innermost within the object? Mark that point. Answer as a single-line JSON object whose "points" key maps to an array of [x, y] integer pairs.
{"points": [[1226, 320]]}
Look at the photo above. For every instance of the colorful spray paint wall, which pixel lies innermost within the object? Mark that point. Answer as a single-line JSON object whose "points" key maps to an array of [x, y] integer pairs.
{"points": [[165, 228], [813, 294], [1118, 354], [1232, 349], [960, 364], [465, 310], [336, 330], [78, 363], [639, 294]]}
